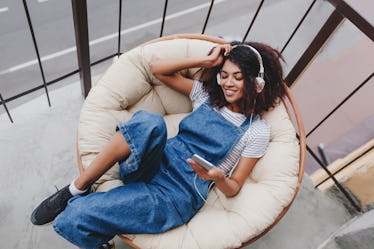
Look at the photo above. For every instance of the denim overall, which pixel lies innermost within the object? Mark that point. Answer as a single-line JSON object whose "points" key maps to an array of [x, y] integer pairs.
{"points": [[159, 192]]}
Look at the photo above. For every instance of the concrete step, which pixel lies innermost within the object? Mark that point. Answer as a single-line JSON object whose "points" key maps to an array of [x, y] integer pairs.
{"points": [[358, 233]]}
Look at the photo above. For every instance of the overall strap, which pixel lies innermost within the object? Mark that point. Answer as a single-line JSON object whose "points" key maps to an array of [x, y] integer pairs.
{"points": [[207, 133]]}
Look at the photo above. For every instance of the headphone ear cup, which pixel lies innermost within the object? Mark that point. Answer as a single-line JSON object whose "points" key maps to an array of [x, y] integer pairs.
{"points": [[219, 79], [260, 84]]}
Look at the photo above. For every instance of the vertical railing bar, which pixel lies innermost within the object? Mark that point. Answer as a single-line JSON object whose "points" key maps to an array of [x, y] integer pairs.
{"points": [[359, 19], [341, 103], [6, 108], [323, 154], [57, 79], [41, 86], [79, 8], [208, 16], [346, 165], [163, 17], [253, 20], [119, 28], [337, 183], [317, 43], [36, 49], [298, 26]]}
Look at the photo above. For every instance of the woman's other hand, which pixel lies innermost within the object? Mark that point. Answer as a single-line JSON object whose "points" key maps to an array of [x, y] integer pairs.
{"points": [[214, 174], [229, 186]]}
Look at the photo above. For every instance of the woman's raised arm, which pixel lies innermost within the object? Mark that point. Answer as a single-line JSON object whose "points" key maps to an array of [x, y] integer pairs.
{"points": [[167, 70]]}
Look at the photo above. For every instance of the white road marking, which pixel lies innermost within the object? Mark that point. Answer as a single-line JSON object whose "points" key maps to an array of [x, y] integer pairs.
{"points": [[111, 36], [42, 1], [4, 9]]}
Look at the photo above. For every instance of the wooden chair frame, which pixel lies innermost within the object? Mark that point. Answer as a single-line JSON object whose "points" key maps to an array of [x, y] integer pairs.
{"points": [[300, 128]]}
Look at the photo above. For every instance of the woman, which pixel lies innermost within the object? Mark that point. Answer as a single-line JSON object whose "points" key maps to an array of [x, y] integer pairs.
{"points": [[225, 128]]}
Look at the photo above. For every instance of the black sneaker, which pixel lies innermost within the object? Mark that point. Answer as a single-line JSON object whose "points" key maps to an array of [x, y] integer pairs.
{"points": [[47, 211], [108, 245]]}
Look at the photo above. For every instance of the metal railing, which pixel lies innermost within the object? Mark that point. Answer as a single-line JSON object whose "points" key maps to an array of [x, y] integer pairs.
{"points": [[344, 9]]}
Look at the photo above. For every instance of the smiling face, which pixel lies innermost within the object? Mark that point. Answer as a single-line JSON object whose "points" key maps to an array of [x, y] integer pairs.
{"points": [[232, 84]]}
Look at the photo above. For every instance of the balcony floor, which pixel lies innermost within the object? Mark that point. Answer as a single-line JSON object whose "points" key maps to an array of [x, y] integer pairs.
{"points": [[40, 147]]}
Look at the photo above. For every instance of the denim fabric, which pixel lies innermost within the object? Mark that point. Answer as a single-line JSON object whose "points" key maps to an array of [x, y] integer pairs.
{"points": [[146, 135], [159, 193]]}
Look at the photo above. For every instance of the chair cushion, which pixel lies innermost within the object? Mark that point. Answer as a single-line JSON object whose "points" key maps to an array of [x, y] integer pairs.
{"points": [[222, 222]]}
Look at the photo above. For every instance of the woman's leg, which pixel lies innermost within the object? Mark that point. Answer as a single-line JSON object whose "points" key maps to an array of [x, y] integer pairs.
{"points": [[116, 150], [144, 137], [91, 220], [138, 145]]}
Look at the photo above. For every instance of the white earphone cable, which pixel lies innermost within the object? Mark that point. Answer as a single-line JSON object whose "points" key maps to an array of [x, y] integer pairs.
{"points": [[197, 189], [250, 126], [233, 168]]}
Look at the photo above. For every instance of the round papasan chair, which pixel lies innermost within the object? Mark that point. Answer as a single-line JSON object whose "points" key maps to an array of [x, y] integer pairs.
{"points": [[128, 86]]}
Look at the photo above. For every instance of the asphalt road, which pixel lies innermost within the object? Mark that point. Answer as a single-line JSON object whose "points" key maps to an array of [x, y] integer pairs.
{"points": [[53, 26], [141, 21]]}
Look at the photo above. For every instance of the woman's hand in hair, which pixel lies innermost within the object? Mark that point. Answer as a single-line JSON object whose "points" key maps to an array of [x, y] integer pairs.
{"points": [[215, 57]]}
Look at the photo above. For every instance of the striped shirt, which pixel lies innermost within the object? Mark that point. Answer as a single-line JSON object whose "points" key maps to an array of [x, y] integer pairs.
{"points": [[252, 144]]}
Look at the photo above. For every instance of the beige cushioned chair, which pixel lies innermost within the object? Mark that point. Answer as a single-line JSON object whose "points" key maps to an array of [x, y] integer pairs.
{"points": [[128, 86]]}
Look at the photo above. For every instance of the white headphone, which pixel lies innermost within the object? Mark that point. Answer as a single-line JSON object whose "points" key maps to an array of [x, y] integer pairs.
{"points": [[260, 81]]}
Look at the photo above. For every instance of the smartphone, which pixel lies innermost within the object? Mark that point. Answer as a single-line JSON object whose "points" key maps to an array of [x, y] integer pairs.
{"points": [[204, 163]]}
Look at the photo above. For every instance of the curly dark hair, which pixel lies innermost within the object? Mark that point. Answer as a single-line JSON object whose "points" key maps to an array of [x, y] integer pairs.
{"points": [[248, 63]]}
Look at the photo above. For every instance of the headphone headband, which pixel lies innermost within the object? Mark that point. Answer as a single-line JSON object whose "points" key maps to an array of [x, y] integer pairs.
{"points": [[262, 70], [260, 78]]}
